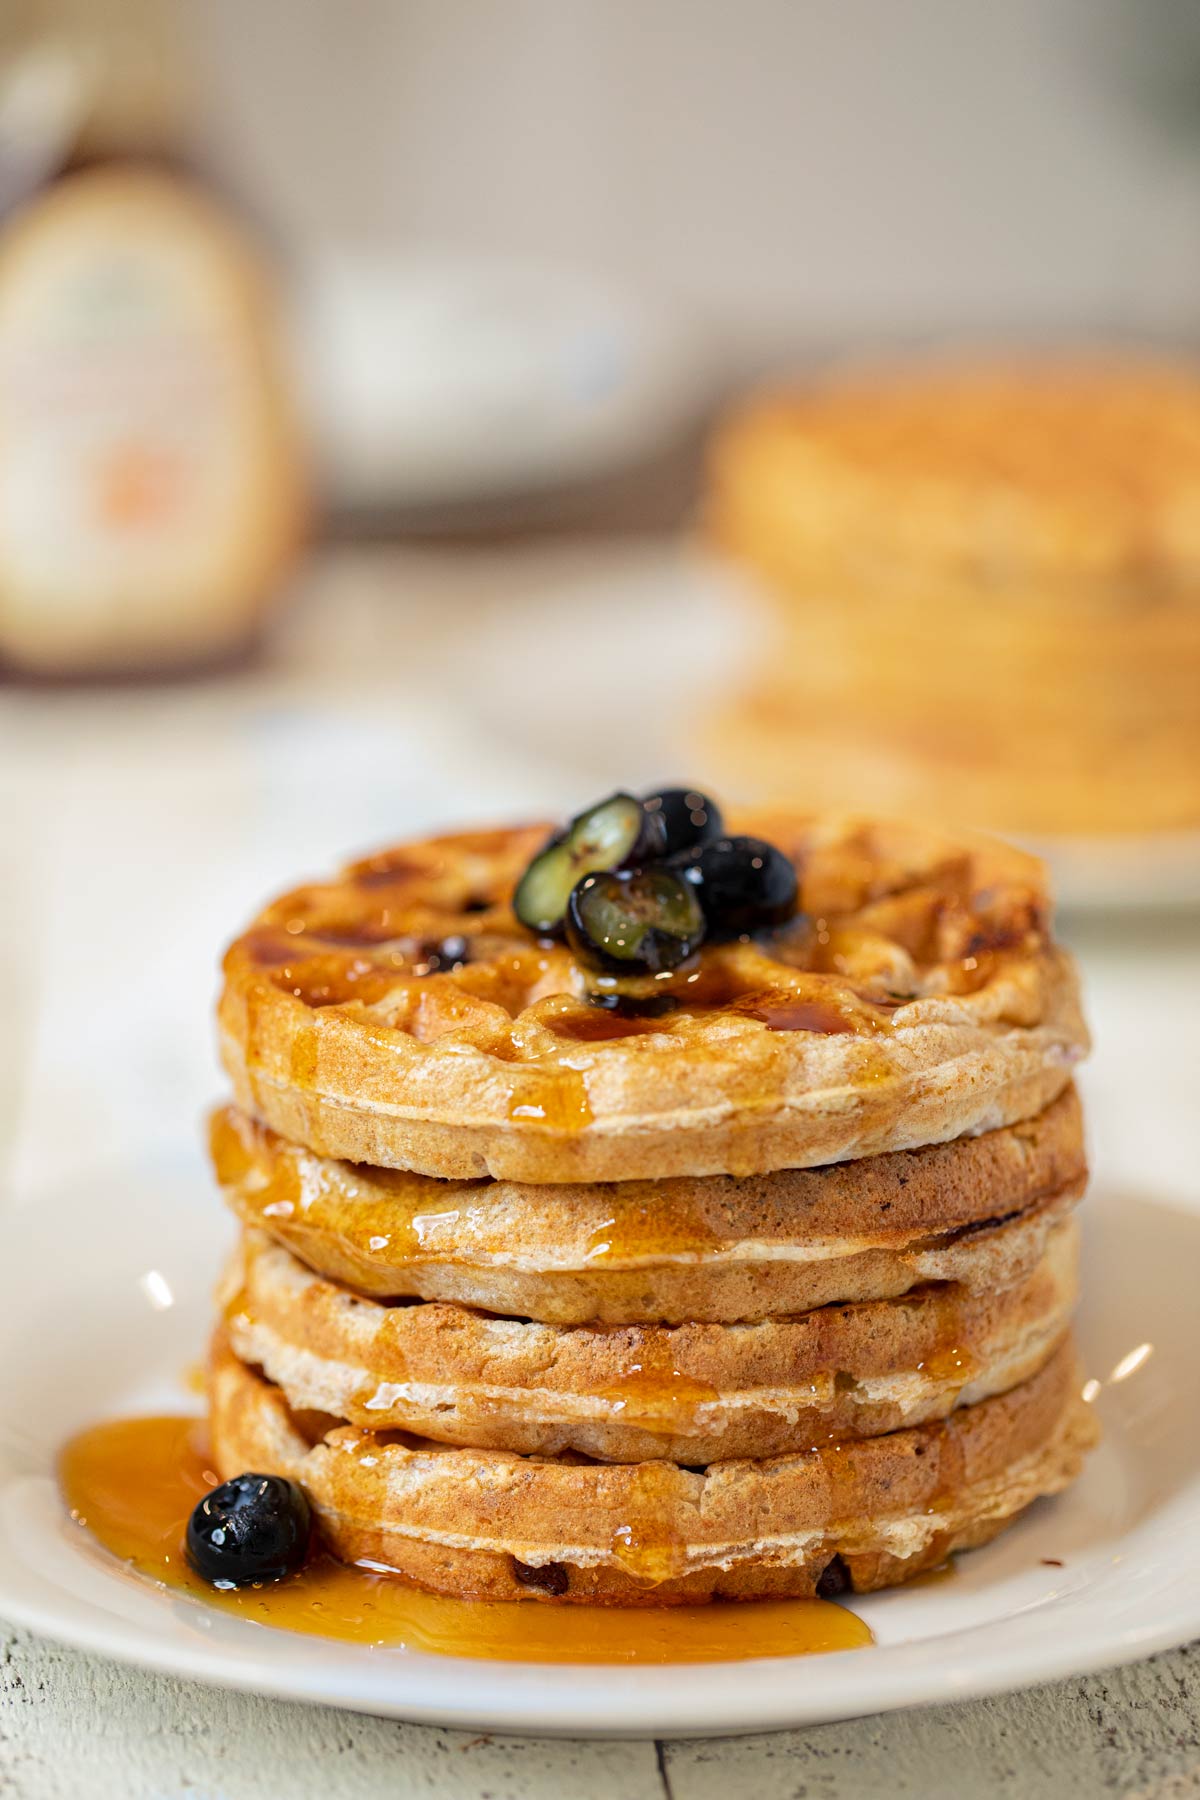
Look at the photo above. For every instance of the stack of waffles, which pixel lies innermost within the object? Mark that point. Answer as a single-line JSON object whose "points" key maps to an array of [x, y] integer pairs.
{"points": [[984, 593], [761, 1286]]}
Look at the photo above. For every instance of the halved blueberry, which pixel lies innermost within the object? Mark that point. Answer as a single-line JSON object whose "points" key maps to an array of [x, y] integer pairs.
{"points": [[690, 818], [743, 884], [634, 921], [612, 835], [252, 1528]]}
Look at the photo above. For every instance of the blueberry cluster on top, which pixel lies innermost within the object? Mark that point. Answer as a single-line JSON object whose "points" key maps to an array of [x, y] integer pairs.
{"points": [[636, 886]]}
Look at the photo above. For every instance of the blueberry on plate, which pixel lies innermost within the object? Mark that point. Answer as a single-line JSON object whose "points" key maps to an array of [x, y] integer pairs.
{"points": [[689, 817], [634, 921], [742, 883], [612, 835], [253, 1528]]}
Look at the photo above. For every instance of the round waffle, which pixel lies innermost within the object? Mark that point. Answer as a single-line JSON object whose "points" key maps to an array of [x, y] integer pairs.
{"points": [[399, 1015], [717, 1249], [692, 1393], [489, 1524], [1081, 472]]}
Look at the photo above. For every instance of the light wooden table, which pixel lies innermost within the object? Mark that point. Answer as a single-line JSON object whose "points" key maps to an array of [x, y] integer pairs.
{"points": [[401, 666]]}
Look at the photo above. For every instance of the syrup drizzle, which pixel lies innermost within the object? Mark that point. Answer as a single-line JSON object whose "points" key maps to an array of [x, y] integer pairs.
{"points": [[648, 1230], [555, 1103], [318, 966], [650, 1390], [644, 1548], [133, 1482], [781, 1012], [600, 1026], [289, 1196]]}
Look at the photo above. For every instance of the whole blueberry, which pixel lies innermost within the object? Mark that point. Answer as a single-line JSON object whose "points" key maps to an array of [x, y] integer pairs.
{"points": [[688, 816], [742, 883], [252, 1528]]}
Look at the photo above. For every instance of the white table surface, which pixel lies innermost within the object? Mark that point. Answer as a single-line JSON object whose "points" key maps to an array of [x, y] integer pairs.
{"points": [[138, 829]]}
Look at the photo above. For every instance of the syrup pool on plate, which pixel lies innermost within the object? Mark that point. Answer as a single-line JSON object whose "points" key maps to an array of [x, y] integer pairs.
{"points": [[133, 1483]]}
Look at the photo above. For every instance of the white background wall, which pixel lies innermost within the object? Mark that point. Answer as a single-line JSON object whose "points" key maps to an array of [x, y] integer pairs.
{"points": [[800, 168]]}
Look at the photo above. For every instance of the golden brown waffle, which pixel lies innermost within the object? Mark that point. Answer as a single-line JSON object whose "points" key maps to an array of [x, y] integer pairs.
{"points": [[988, 589], [490, 1524], [693, 1394], [920, 997], [717, 1249]]}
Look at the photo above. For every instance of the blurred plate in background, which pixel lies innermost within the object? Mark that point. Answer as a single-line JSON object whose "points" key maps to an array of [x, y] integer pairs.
{"points": [[433, 380]]}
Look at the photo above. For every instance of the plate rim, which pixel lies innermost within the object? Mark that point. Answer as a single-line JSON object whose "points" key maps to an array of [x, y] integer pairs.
{"points": [[892, 1687]]}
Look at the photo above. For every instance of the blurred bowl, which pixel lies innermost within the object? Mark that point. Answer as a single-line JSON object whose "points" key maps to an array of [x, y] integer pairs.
{"points": [[432, 380]]}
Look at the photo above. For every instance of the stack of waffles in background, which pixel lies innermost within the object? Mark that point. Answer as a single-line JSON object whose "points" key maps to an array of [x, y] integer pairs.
{"points": [[758, 1286], [983, 594]]}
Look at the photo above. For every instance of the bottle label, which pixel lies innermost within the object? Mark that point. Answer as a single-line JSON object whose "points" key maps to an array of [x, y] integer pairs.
{"points": [[142, 442]]}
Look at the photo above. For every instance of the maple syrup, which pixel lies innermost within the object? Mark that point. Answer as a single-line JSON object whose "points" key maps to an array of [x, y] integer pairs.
{"points": [[647, 1549], [602, 1026], [287, 1191], [652, 1229], [817, 1005], [271, 1184], [133, 1483], [302, 1058], [784, 1012], [265, 947], [872, 1066], [954, 1364], [255, 995], [316, 962], [951, 1360], [391, 868], [558, 1101], [650, 1390], [415, 1217], [312, 973], [363, 933]]}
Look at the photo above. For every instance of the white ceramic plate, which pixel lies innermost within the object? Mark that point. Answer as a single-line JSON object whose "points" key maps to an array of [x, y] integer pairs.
{"points": [[90, 1336]]}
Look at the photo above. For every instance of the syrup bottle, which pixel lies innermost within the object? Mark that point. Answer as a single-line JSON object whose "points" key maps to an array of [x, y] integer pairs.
{"points": [[150, 468]]}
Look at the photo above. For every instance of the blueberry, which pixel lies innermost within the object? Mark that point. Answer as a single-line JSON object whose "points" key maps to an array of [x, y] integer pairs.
{"points": [[448, 953], [743, 884], [253, 1528], [690, 818], [634, 921], [834, 1579], [615, 834]]}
